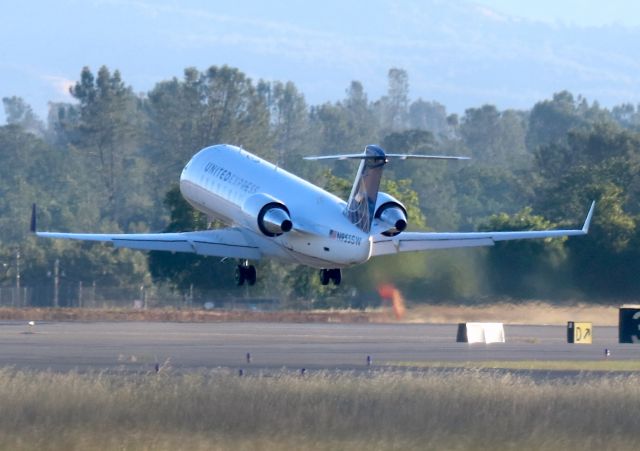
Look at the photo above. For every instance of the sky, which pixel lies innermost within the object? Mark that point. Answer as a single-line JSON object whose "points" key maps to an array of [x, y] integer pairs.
{"points": [[583, 13], [462, 53]]}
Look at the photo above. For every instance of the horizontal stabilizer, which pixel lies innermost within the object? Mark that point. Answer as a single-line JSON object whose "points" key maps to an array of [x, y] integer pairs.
{"points": [[399, 156]]}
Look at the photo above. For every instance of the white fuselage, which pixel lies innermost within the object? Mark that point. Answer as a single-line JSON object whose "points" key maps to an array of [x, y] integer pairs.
{"points": [[222, 181]]}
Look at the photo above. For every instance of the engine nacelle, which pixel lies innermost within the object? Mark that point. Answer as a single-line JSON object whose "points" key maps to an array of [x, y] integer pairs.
{"points": [[392, 213], [267, 214]]}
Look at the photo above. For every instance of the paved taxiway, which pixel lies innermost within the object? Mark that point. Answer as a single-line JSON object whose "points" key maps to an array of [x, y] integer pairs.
{"points": [[137, 346]]}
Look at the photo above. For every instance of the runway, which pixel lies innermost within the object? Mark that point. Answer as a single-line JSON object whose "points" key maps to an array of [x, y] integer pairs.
{"points": [[138, 346]]}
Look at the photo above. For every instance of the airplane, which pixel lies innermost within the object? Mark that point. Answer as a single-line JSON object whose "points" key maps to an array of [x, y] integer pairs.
{"points": [[272, 213]]}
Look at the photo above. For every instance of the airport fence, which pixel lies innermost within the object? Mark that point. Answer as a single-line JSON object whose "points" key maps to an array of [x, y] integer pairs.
{"points": [[138, 297], [77, 294]]}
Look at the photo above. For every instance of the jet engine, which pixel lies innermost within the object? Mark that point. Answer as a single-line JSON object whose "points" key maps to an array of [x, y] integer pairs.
{"points": [[267, 214], [390, 213]]}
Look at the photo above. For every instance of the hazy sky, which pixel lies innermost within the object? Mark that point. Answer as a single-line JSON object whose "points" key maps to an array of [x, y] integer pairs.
{"points": [[577, 12], [460, 53]]}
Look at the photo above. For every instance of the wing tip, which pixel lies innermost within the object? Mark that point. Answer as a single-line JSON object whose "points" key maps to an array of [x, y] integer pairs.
{"points": [[587, 221], [33, 224]]}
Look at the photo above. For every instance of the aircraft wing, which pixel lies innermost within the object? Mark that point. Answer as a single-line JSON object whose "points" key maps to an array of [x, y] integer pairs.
{"points": [[231, 243], [421, 241]]}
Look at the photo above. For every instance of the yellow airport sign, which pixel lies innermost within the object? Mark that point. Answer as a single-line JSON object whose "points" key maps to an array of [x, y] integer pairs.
{"points": [[579, 333]]}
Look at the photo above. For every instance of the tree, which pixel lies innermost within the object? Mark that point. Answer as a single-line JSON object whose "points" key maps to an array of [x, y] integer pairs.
{"points": [[107, 136], [360, 118], [346, 126], [431, 117], [234, 112], [605, 263], [27, 171], [495, 138], [329, 124], [596, 162], [339, 186], [18, 112], [396, 104], [627, 115], [524, 268], [603, 153], [431, 179], [288, 121], [481, 191], [551, 120], [409, 141], [220, 105]]}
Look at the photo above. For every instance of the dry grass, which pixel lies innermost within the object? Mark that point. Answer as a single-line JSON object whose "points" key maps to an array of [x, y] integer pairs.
{"points": [[536, 365], [528, 313], [186, 315], [403, 411]]}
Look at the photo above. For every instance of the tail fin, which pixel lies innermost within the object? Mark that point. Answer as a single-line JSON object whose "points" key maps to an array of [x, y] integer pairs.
{"points": [[364, 194], [362, 201]]}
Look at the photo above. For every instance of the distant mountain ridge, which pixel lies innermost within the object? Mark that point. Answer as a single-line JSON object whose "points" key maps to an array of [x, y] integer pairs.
{"points": [[461, 54]]}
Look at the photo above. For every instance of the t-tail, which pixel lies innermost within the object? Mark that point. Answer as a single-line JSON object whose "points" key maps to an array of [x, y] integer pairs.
{"points": [[364, 193]]}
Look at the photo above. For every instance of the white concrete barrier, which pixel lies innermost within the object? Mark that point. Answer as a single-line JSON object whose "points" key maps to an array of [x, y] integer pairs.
{"points": [[480, 333]]}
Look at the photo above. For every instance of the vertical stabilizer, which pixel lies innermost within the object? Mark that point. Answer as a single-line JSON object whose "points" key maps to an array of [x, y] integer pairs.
{"points": [[362, 201]]}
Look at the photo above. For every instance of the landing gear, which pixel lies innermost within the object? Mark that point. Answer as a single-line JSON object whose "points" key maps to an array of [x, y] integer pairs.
{"points": [[324, 277], [245, 272], [327, 275]]}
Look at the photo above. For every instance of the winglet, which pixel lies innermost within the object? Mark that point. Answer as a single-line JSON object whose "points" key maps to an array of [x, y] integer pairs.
{"points": [[587, 222], [33, 218]]}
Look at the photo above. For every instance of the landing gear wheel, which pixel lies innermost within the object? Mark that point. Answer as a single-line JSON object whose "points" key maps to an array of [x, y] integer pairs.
{"points": [[324, 276], [250, 275], [240, 275], [336, 276], [245, 273]]}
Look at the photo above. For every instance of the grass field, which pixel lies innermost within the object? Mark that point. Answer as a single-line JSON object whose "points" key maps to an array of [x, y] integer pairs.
{"points": [[536, 365], [458, 410], [509, 313]]}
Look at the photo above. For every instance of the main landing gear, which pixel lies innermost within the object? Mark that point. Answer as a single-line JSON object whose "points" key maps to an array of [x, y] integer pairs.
{"points": [[245, 272], [327, 275]]}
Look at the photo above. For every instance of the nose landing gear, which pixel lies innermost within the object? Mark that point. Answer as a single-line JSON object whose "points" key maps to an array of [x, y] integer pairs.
{"points": [[327, 275]]}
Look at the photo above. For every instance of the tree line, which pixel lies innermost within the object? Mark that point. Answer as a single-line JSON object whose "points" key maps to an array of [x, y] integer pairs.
{"points": [[110, 161]]}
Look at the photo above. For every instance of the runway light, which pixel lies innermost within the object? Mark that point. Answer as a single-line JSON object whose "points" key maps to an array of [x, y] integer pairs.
{"points": [[303, 371], [607, 353], [368, 360], [240, 372], [157, 367], [248, 357]]}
